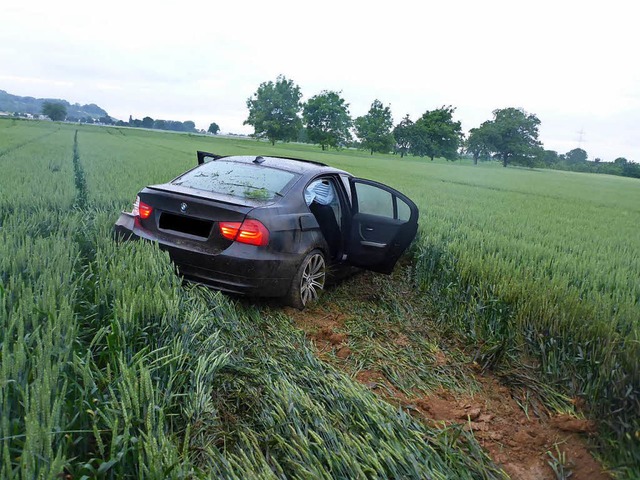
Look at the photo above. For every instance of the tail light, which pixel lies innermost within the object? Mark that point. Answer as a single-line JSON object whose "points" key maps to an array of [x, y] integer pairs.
{"points": [[141, 209], [251, 232]]}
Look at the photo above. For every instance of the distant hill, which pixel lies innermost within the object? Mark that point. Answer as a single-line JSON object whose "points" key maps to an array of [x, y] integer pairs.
{"points": [[16, 104]]}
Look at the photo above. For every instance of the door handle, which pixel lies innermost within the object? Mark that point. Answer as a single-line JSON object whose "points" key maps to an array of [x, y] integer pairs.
{"points": [[368, 229], [373, 244]]}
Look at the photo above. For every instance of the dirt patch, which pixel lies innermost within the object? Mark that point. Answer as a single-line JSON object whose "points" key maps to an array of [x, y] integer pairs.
{"points": [[567, 423], [343, 352], [323, 328], [525, 446], [370, 379], [402, 340]]}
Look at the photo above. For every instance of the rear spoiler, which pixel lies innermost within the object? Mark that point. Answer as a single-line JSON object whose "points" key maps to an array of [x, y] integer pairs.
{"points": [[204, 157]]}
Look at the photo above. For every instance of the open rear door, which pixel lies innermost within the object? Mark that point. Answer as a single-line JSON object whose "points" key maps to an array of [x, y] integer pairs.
{"points": [[384, 223], [206, 157]]}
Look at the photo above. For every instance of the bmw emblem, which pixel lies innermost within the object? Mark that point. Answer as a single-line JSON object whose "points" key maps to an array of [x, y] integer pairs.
{"points": [[183, 207]]}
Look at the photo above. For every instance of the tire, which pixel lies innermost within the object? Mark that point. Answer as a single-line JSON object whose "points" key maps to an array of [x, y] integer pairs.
{"points": [[308, 281]]}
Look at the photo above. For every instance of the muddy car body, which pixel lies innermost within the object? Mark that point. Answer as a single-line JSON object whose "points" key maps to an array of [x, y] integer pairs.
{"points": [[270, 226]]}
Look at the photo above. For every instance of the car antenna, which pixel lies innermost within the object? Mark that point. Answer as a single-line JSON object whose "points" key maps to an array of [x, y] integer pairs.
{"points": [[259, 159]]}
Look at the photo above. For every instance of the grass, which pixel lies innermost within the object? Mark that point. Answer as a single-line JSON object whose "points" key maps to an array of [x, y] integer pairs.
{"points": [[389, 333], [106, 374]]}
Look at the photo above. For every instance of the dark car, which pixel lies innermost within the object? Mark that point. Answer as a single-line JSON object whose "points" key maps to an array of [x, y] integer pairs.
{"points": [[271, 226]]}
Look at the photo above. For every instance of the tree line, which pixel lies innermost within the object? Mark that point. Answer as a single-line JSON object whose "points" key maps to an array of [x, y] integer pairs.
{"points": [[158, 124], [576, 161], [276, 113], [57, 112]]}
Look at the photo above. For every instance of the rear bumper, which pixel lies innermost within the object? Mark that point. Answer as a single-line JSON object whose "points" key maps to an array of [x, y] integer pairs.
{"points": [[243, 269]]}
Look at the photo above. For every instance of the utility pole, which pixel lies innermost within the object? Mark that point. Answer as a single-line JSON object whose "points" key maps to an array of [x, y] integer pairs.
{"points": [[580, 137]]}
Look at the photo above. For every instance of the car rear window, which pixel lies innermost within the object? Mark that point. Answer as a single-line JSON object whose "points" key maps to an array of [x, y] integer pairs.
{"points": [[256, 182]]}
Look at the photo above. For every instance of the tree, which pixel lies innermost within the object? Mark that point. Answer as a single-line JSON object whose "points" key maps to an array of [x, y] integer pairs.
{"points": [[549, 158], [273, 110], [374, 128], [479, 143], [214, 128], [147, 122], [55, 111], [631, 169], [174, 125], [435, 134], [403, 133], [575, 156], [514, 135], [327, 119], [188, 126]]}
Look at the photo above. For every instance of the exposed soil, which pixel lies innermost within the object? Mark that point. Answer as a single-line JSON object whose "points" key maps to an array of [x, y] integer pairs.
{"points": [[516, 442], [522, 445]]}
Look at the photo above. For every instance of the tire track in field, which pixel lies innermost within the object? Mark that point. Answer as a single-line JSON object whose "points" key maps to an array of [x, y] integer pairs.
{"points": [[26, 142], [79, 176]]}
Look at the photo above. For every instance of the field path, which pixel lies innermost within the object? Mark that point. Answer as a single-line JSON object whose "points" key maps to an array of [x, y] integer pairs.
{"points": [[399, 355]]}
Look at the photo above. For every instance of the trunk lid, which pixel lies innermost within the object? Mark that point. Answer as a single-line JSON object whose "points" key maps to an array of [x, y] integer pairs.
{"points": [[189, 218]]}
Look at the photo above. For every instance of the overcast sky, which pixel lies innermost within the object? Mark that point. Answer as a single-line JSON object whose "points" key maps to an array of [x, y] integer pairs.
{"points": [[575, 64]]}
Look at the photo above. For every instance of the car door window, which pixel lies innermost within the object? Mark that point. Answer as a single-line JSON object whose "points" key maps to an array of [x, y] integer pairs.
{"points": [[344, 181], [374, 201], [404, 211]]}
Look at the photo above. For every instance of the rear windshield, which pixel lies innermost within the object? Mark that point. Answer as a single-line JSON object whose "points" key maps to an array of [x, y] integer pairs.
{"points": [[242, 180]]}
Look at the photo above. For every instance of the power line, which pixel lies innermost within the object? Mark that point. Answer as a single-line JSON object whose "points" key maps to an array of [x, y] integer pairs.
{"points": [[580, 137]]}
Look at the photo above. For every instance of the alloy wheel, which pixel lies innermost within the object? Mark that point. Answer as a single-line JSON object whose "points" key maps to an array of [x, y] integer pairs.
{"points": [[313, 277]]}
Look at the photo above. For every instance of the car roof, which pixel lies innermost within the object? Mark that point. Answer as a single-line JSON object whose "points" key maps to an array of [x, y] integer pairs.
{"points": [[295, 165]]}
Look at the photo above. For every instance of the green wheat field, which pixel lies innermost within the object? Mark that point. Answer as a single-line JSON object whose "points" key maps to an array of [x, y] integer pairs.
{"points": [[110, 368]]}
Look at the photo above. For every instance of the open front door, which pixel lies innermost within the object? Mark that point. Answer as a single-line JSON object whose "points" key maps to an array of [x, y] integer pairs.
{"points": [[384, 223]]}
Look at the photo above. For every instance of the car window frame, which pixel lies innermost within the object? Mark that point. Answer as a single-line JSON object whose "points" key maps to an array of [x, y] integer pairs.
{"points": [[341, 193]]}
